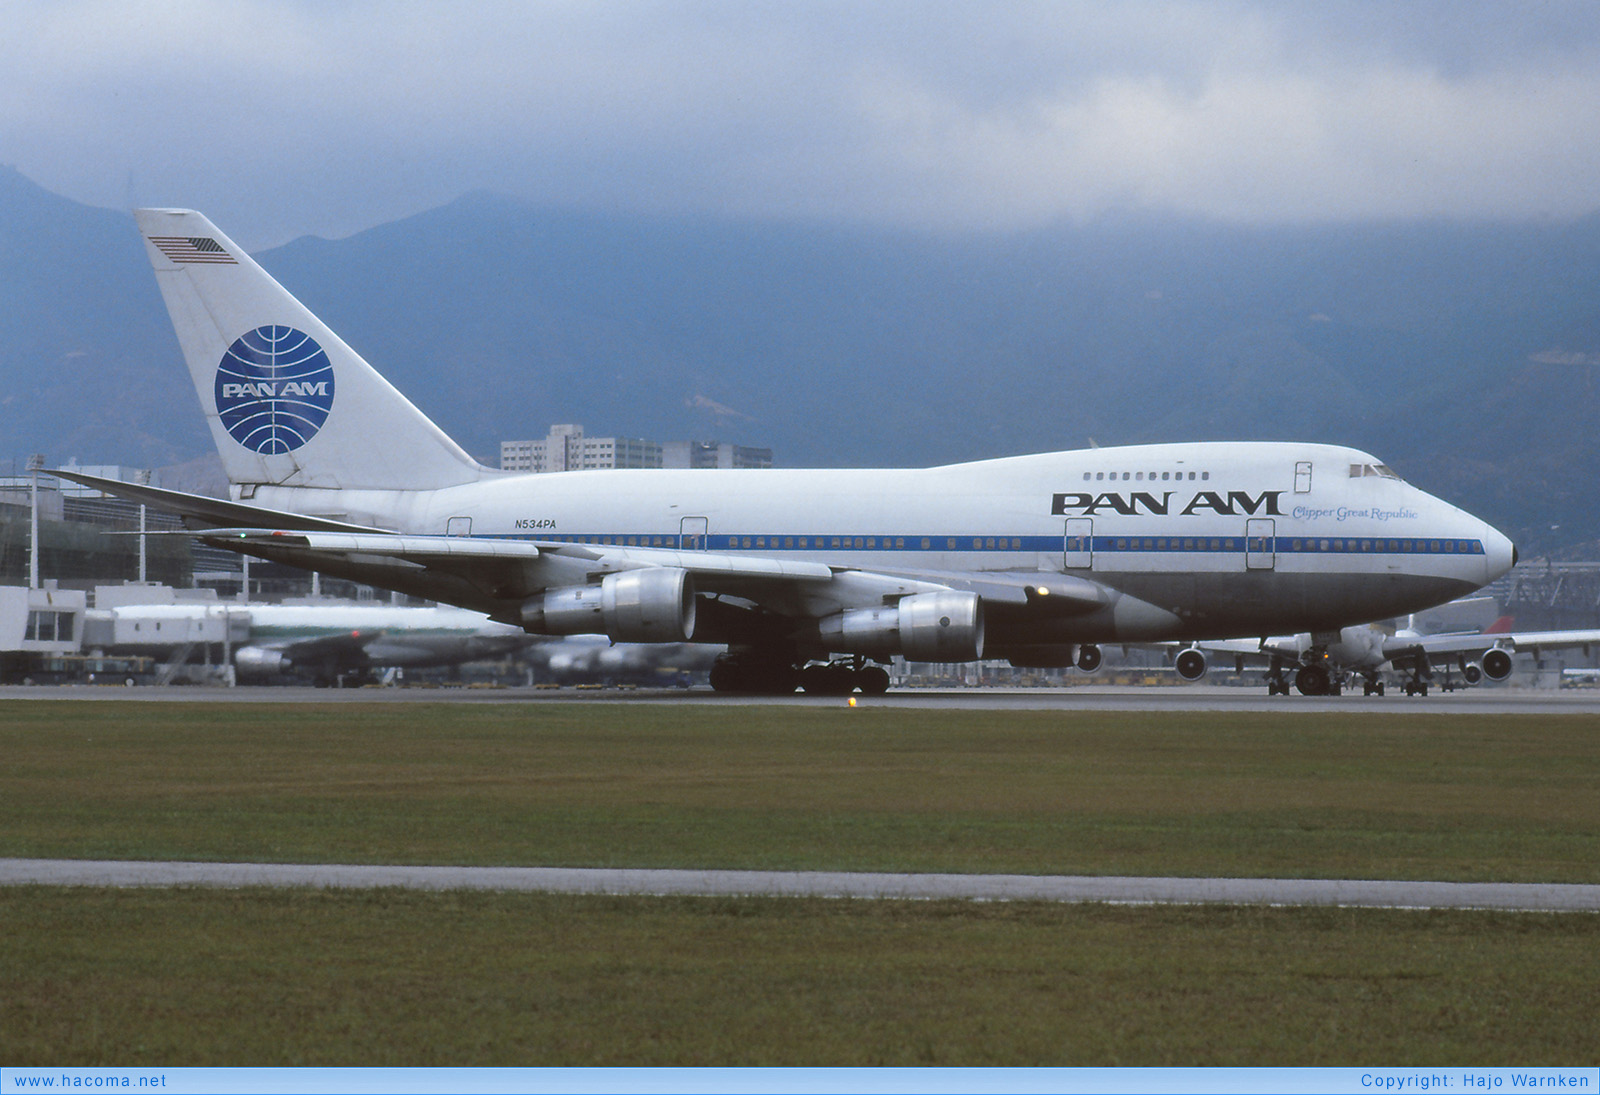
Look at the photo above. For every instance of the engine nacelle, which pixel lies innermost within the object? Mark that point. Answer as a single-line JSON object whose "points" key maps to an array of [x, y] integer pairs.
{"points": [[650, 605], [925, 627], [1496, 664], [1089, 658], [257, 663], [1191, 663], [1471, 672]]}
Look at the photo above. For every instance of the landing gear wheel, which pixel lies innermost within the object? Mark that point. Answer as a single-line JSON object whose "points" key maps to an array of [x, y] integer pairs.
{"points": [[828, 680], [753, 678], [873, 680], [1313, 680]]}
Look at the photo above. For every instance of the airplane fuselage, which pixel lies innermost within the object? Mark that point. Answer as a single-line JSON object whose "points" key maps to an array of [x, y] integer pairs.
{"points": [[1194, 540]]}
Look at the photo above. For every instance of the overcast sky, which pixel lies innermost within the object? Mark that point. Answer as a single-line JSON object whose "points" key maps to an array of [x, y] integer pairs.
{"points": [[281, 118]]}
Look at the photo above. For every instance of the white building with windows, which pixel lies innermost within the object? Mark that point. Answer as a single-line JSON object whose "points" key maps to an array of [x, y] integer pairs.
{"points": [[566, 448]]}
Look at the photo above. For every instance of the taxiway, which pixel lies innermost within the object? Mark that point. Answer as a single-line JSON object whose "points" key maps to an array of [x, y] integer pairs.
{"points": [[1358, 893], [1090, 697]]}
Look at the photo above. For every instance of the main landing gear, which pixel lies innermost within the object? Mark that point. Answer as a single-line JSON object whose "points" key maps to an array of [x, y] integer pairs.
{"points": [[744, 674], [1318, 680]]}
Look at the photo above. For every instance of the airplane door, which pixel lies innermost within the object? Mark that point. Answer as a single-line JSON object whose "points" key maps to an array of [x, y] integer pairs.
{"points": [[1078, 546], [1260, 543], [1302, 477], [694, 534]]}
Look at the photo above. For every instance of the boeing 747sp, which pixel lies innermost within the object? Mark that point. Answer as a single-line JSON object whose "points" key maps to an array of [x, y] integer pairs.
{"points": [[809, 577]]}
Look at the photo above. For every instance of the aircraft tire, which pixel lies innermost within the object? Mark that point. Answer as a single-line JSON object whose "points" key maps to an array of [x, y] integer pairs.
{"points": [[827, 680], [873, 680], [753, 678], [1313, 680]]}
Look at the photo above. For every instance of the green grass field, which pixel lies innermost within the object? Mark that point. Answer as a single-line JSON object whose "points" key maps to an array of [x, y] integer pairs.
{"points": [[1416, 796], [286, 977]]}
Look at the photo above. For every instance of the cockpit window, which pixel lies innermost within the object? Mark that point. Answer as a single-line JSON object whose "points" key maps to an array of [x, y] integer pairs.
{"points": [[1381, 471]]}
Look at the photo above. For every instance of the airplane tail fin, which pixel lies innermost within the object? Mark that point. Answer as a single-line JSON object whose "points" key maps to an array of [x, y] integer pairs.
{"points": [[289, 404], [1501, 626]]}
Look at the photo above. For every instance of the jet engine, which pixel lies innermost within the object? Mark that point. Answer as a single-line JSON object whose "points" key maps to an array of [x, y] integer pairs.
{"points": [[259, 663], [1089, 658], [925, 627], [1496, 664], [1471, 672], [1191, 663], [650, 605]]}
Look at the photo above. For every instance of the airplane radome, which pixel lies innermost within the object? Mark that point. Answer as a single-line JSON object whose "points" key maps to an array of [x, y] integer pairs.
{"points": [[811, 577]]}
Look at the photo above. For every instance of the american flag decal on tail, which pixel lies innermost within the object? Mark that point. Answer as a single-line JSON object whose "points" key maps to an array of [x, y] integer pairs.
{"points": [[192, 249]]}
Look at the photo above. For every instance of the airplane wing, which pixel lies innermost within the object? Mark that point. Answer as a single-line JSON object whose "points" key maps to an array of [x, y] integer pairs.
{"points": [[1477, 642], [1262, 648], [342, 646], [524, 567], [643, 594]]}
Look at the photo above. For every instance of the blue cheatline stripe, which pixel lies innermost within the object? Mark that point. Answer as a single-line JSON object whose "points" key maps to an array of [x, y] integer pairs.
{"points": [[1187, 545]]}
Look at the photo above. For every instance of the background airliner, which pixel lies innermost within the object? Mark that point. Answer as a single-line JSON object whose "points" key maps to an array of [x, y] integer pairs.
{"points": [[1034, 559], [1320, 668]]}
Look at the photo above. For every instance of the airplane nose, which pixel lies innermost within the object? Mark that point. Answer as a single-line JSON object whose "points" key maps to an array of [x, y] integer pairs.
{"points": [[1500, 554]]}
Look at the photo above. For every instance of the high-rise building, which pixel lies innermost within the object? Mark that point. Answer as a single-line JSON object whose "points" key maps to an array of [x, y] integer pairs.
{"points": [[566, 448]]}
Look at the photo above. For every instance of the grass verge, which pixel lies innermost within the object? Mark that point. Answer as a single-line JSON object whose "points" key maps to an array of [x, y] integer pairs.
{"points": [[1506, 798], [278, 977]]}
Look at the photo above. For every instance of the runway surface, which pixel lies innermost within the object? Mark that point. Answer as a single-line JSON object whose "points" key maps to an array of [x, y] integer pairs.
{"points": [[1528, 897], [1089, 697]]}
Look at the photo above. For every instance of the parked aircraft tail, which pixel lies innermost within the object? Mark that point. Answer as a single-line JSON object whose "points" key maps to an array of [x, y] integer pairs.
{"points": [[288, 402]]}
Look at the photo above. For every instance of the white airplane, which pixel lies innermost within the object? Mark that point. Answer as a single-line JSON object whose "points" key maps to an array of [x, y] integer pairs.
{"points": [[322, 642], [594, 659], [1321, 668], [330, 642], [1034, 559]]}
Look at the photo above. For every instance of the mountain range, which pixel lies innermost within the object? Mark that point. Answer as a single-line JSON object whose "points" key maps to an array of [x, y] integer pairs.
{"points": [[1464, 354]]}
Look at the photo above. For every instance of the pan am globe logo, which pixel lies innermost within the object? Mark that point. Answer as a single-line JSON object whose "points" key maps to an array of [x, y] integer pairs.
{"points": [[274, 389]]}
